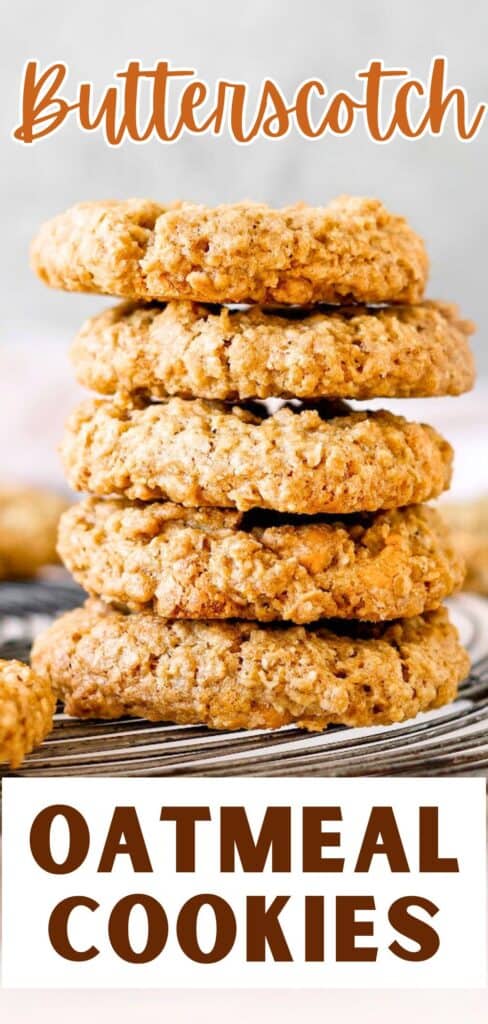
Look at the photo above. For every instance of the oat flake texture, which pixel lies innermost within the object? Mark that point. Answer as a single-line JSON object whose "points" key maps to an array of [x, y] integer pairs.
{"points": [[351, 250], [26, 711], [220, 564], [238, 675], [197, 351], [199, 453]]}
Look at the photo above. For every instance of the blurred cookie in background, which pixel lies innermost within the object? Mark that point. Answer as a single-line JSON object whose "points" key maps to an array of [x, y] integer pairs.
{"points": [[469, 523], [28, 530]]}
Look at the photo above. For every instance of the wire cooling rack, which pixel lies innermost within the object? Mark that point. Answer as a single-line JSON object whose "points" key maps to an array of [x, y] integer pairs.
{"points": [[449, 741]]}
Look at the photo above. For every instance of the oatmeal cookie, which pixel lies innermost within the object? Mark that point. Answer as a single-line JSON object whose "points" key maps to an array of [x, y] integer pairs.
{"points": [[26, 711], [204, 453], [351, 250], [469, 524], [28, 529], [198, 351], [238, 675], [220, 564]]}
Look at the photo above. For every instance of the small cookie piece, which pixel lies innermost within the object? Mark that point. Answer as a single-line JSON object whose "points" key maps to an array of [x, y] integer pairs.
{"points": [[26, 711], [197, 351], [219, 564], [351, 250], [241, 675], [28, 530], [204, 453], [469, 524]]}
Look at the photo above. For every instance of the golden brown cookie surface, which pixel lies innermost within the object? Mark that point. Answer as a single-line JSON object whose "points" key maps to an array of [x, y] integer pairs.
{"points": [[469, 524], [351, 250], [198, 351], [26, 711], [204, 453], [28, 530], [241, 675], [219, 564]]}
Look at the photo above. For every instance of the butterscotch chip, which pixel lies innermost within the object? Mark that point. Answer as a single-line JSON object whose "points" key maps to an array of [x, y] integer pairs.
{"points": [[241, 675], [26, 710], [469, 522], [353, 249], [28, 530], [219, 564], [197, 351], [204, 453]]}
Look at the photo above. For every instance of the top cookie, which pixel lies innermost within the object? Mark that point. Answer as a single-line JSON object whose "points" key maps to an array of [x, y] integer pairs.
{"points": [[352, 250]]}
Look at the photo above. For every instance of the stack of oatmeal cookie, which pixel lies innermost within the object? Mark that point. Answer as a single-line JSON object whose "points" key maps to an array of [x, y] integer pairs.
{"points": [[252, 566]]}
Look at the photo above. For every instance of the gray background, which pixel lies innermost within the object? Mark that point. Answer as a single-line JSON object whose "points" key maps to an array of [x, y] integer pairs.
{"points": [[440, 184]]}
